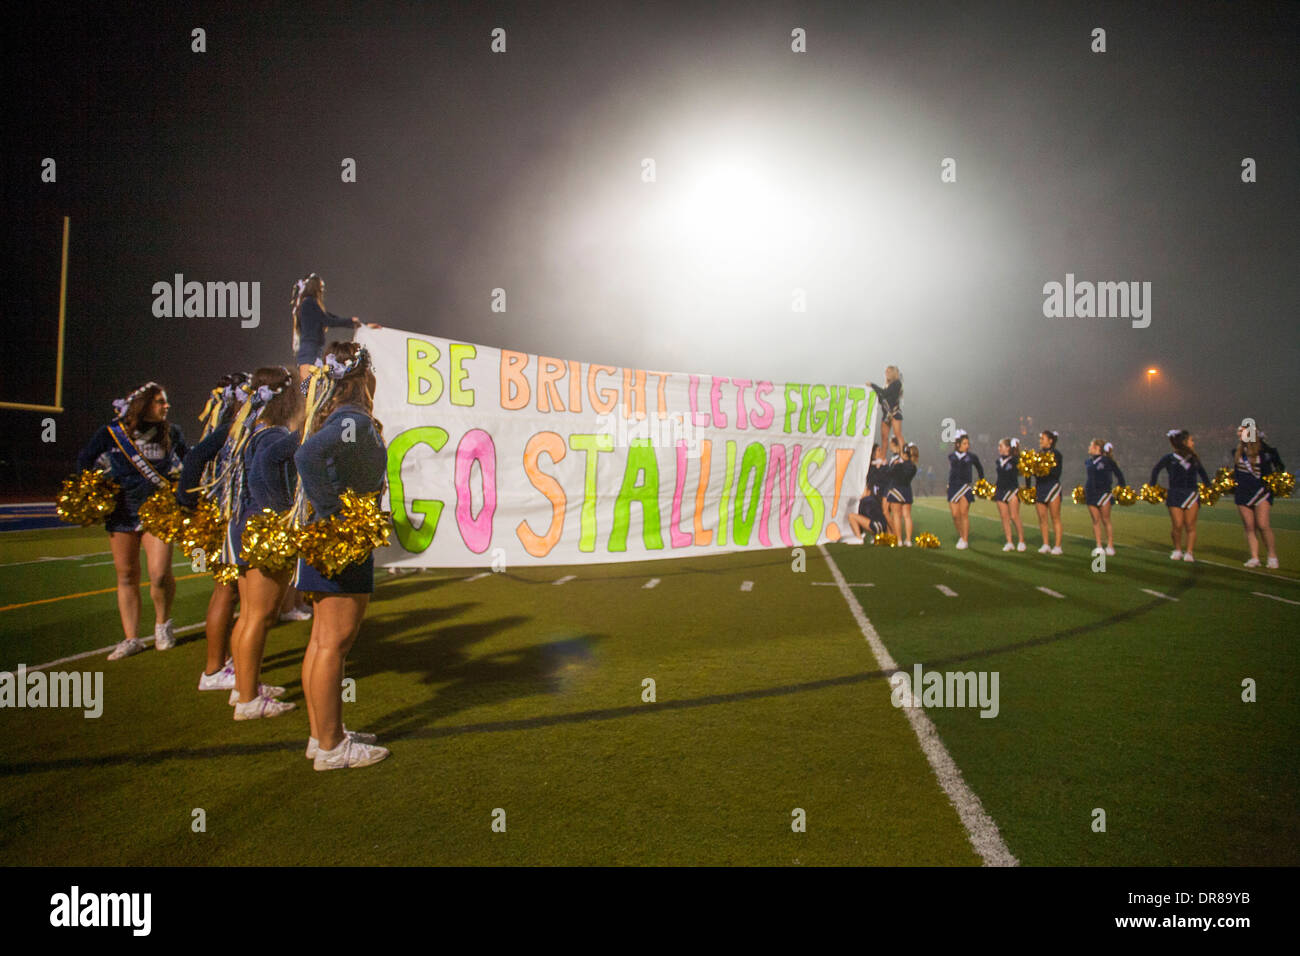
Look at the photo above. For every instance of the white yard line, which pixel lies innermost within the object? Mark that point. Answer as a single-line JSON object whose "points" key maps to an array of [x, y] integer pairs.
{"points": [[946, 591], [653, 582], [70, 557], [747, 585], [981, 829], [1274, 597], [1159, 595], [1049, 592], [104, 650], [567, 577], [481, 574]]}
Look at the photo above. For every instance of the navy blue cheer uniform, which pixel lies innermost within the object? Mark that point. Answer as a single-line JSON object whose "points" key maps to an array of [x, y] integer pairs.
{"points": [[196, 460], [1047, 488], [1183, 472], [269, 481], [312, 323], [1251, 488], [900, 482], [136, 488], [870, 508], [891, 400], [1096, 486], [1008, 483], [878, 478], [328, 466], [959, 475]]}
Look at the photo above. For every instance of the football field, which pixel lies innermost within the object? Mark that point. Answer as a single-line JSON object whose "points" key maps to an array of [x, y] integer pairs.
{"points": [[521, 698]]}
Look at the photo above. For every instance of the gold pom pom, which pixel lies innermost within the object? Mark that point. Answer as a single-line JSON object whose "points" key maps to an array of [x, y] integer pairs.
{"points": [[1152, 494], [161, 516], [1078, 496], [86, 498], [1209, 495], [1126, 495], [268, 543], [1281, 483], [201, 530], [1027, 462], [926, 540], [886, 539], [983, 489], [346, 537], [224, 573], [1027, 495]]}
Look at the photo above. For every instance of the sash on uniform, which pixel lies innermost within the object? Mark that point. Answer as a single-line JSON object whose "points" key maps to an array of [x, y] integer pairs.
{"points": [[141, 464]]}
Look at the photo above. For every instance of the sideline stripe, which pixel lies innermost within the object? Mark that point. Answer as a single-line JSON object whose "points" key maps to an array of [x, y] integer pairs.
{"points": [[832, 584], [1274, 597], [81, 594], [981, 829], [104, 650], [1050, 593], [1159, 595]]}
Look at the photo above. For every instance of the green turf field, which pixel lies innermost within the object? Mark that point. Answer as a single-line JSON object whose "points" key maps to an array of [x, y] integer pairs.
{"points": [[509, 691]]}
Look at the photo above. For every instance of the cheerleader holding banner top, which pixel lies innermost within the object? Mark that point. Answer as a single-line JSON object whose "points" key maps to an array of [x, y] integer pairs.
{"points": [[199, 470], [310, 320], [1252, 460], [144, 450], [343, 452], [891, 404], [1183, 498], [1047, 489], [259, 475], [1096, 489], [960, 485], [1006, 491]]}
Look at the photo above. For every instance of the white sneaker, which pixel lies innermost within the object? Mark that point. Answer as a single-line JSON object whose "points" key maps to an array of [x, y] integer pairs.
{"points": [[132, 645], [1020, 546], [1175, 556], [350, 753], [1110, 550], [164, 637], [1187, 556], [223, 679], [907, 543], [1057, 550], [262, 707], [1252, 563], [853, 539], [263, 690], [313, 745], [1272, 562], [961, 544], [297, 614], [1045, 549], [1008, 547]]}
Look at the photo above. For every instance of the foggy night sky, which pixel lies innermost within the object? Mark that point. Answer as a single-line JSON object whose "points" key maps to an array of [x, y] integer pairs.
{"points": [[522, 170]]}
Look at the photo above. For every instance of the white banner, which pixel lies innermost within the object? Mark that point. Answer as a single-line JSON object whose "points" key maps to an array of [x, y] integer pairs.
{"points": [[505, 458]]}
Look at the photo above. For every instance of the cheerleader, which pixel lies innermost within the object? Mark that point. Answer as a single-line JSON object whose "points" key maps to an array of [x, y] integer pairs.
{"points": [[891, 403], [310, 320], [1252, 461], [898, 500], [259, 474], [960, 494], [1005, 492], [143, 449], [1099, 467], [202, 463], [1183, 498], [341, 398], [1047, 493], [870, 517]]}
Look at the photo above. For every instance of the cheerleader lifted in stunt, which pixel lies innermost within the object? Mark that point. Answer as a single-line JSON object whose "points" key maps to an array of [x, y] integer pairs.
{"points": [[891, 404], [144, 450], [1096, 489], [960, 491], [1252, 461], [1006, 491], [1183, 498], [1047, 492]]}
